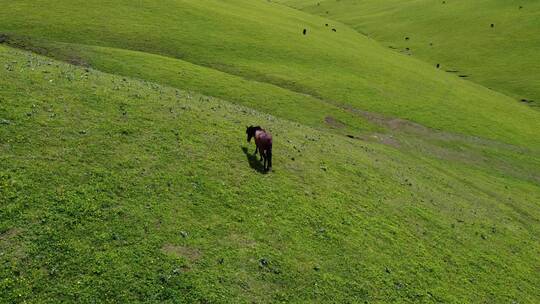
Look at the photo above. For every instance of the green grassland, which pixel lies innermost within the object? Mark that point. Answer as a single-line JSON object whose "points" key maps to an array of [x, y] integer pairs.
{"points": [[125, 175], [123, 190], [262, 42], [456, 34]]}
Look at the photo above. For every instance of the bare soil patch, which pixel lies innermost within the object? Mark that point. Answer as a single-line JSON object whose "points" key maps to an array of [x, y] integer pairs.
{"points": [[331, 121], [191, 254]]}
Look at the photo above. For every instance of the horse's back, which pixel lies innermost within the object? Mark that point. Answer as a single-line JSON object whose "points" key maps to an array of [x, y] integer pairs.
{"points": [[263, 139]]}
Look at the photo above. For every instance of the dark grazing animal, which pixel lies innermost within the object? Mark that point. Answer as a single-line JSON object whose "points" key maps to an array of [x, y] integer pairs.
{"points": [[263, 144]]}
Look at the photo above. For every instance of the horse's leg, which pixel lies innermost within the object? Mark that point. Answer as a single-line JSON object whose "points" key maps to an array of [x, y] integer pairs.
{"points": [[264, 161], [256, 149], [261, 152]]}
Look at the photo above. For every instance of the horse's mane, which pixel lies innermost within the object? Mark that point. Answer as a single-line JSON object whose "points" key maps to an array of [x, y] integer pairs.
{"points": [[252, 129]]}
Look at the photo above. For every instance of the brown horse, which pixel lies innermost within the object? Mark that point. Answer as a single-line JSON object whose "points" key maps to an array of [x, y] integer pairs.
{"points": [[263, 144]]}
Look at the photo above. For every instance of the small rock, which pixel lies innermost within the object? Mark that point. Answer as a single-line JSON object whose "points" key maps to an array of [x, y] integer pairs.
{"points": [[184, 234]]}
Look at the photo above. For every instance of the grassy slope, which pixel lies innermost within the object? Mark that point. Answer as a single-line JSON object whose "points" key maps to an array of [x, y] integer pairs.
{"points": [[504, 58], [99, 175], [120, 190], [262, 41]]}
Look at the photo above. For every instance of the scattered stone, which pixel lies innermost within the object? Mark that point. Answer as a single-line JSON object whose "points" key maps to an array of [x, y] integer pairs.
{"points": [[316, 268], [334, 30], [5, 122], [263, 262], [184, 234]]}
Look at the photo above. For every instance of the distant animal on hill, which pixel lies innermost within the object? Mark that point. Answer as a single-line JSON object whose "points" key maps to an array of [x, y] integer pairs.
{"points": [[263, 144], [304, 32]]}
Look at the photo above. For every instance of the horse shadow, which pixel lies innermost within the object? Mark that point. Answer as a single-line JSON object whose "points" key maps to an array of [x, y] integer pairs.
{"points": [[253, 161]]}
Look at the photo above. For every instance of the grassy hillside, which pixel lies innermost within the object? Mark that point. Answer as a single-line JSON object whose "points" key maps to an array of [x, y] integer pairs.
{"points": [[125, 175], [262, 42], [455, 34], [120, 190]]}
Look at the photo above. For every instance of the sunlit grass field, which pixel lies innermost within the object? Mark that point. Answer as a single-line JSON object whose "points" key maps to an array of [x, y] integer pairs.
{"points": [[491, 42], [125, 175]]}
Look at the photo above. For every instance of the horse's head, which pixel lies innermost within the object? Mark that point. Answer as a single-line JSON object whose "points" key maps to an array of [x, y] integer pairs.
{"points": [[250, 131]]}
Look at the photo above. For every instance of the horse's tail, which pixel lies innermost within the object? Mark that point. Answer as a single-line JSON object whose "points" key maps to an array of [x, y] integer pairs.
{"points": [[269, 156]]}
